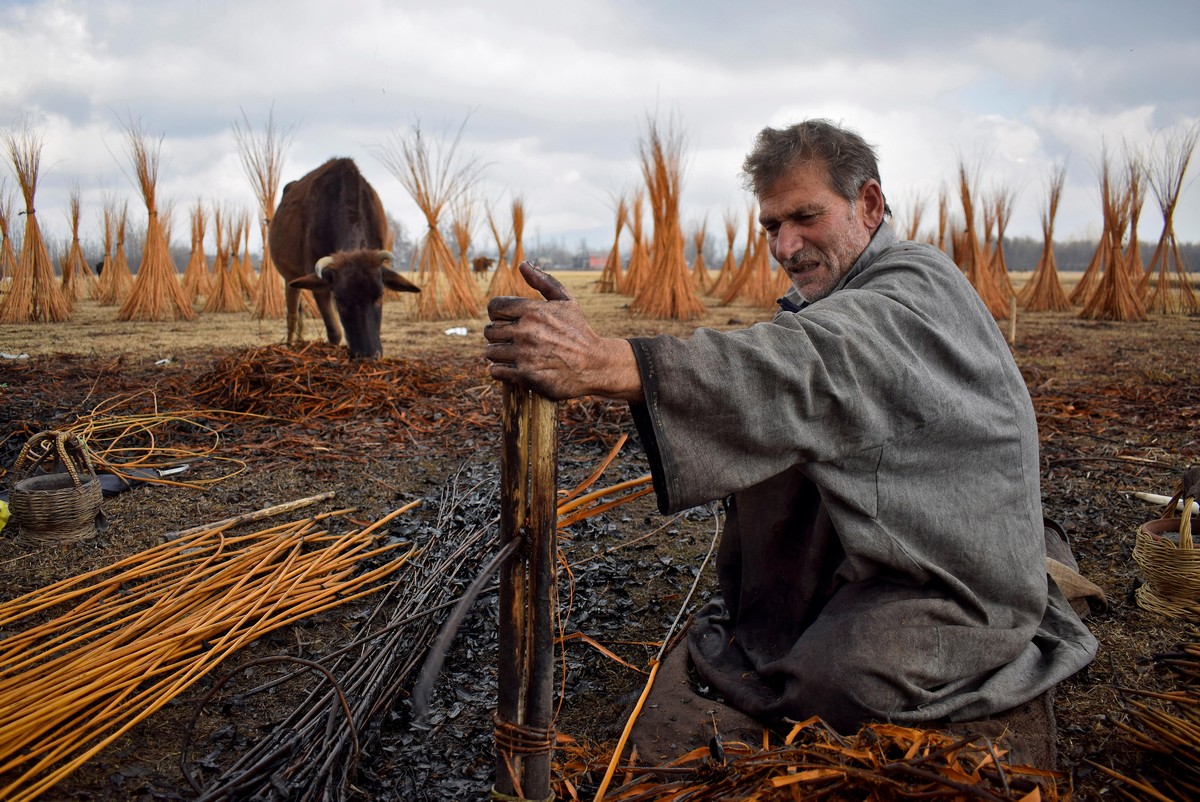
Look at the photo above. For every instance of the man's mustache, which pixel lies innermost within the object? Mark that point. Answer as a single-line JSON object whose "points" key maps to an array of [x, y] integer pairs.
{"points": [[800, 257]]}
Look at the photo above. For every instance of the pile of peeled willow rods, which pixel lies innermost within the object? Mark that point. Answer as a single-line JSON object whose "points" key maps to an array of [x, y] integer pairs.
{"points": [[312, 753], [142, 634]]}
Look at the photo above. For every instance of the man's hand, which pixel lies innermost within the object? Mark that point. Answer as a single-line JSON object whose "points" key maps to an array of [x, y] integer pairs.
{"points": [[549, 347]]}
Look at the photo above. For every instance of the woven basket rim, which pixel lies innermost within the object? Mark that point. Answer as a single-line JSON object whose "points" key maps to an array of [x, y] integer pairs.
{"points": [[24, 485]]}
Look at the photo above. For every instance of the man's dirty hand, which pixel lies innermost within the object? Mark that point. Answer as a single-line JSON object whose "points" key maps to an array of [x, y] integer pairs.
{"points": [[549, 346]]}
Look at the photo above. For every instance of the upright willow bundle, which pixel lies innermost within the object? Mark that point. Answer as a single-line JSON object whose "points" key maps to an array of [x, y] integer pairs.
{"points": [[435, 176], [116, 278], [943, 221], [610, 276], [762, 286], [262, 155], [461, 220], [1114, 296], [639, 256], [1003, 201], [239, 256], [988, 213], [78, 280], [1044, 292], [916, 210], [503, 276], [728, 264], [35, 294], [745, 267], [157, 294], [516, 285], [518, 230], [667, 292], [1136, 167], [226, 294], [700, 278], [971, 258], [8, 255], [1166, 180], [197, 280]]}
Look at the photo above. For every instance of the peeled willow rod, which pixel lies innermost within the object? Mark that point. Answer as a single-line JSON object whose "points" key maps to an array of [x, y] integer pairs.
{"points": [[529, 481]]}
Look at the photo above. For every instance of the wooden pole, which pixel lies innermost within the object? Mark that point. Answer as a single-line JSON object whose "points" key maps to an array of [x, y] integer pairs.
{"points": [[525, 673]]}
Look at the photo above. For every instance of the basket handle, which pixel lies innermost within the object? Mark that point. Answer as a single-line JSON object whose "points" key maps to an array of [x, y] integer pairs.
{"points": [[1185, 524], [61, 441]]}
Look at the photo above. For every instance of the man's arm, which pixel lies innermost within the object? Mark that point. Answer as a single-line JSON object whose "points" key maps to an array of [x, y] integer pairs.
{"points": [[549, 346]]}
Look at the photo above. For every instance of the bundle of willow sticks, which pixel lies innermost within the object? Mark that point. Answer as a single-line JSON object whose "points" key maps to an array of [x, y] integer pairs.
{"points": [[126, 639], [313, 753]]}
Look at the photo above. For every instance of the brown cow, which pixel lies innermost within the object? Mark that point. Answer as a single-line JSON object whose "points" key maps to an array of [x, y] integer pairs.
{"points": [[328, 236]]}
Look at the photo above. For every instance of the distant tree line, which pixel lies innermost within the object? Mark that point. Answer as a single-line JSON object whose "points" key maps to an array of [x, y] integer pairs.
{"points": [[1022, 254]]}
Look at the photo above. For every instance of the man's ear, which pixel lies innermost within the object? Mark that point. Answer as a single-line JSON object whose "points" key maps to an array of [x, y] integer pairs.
{"points": [[871, 204]]}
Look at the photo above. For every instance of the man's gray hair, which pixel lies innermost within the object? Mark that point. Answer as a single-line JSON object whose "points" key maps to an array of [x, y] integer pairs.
{"points": [[848, 159]]}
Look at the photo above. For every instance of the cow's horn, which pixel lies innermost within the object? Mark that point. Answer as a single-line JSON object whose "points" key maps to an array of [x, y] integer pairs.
{"points": [[386, 256], [323, 262]]}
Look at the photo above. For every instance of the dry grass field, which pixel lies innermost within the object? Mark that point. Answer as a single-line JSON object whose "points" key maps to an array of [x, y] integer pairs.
{"points": [[1118, 408]]}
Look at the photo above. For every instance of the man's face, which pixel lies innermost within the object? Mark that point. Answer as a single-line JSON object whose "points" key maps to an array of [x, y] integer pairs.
{"points": [[814, 233]]}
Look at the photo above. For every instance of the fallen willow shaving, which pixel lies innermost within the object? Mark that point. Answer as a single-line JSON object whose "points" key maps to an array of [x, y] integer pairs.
{"points": [[880, 762], [133, 636]]}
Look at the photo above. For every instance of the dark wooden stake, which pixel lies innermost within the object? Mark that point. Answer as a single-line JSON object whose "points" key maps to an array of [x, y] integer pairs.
{"points": [[525, 674]]}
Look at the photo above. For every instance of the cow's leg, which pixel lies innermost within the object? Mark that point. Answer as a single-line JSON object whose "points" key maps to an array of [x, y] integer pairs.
{"points": [[295, 321], [333, 325]]}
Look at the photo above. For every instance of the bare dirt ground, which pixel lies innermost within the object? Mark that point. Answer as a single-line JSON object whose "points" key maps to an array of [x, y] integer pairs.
{"points": [[1118, 407]]}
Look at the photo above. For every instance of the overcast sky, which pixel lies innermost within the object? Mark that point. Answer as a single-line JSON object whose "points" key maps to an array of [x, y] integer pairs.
{"points": [[556, 95]]}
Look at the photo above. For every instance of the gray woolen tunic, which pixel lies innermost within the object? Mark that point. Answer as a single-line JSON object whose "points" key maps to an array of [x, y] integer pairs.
{"points": [[884, 556]]}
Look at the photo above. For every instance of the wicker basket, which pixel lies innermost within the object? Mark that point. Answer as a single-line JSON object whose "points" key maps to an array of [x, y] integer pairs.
{"points": [[57, 507], [1169, 565]]}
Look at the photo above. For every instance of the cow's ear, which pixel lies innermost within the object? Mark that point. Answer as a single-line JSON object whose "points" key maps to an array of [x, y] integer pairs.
{"points": [[311, 281], [394, 281]]}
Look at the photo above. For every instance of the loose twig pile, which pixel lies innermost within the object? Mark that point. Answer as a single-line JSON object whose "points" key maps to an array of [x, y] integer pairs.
{"points": [[317, 381], [417, 400]]}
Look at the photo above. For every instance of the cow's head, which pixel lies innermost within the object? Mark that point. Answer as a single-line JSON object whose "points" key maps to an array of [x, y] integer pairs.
{"points": [[356, 280]]}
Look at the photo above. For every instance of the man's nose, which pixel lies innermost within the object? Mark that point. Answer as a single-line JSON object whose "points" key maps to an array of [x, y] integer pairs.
{"points": [[788, 241]]}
